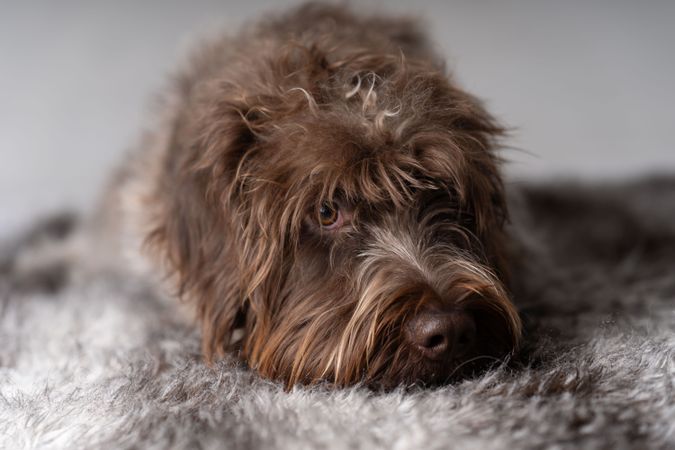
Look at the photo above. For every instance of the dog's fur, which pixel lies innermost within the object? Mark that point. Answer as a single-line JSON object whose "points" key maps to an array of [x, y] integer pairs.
{"points": [[312, 108]]}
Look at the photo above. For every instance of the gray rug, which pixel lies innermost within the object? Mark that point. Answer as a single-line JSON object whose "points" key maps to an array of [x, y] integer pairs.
{"points": [[99, 361]]}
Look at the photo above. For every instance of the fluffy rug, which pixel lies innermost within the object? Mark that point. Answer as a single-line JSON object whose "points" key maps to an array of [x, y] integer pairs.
{"points": [[100, 362]]}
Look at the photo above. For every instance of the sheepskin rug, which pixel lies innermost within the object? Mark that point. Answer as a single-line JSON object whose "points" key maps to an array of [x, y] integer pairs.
{"points": [[100, 361]]}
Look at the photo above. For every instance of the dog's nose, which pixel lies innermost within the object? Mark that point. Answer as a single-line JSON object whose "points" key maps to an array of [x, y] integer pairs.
{"points": [[441, 335]]}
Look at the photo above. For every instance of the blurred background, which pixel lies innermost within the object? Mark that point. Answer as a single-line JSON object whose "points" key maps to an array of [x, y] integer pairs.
{"points": [[588, 86]]}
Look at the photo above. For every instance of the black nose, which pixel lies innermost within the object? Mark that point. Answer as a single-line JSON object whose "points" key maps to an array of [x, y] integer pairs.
{"points": [[441, 335]]}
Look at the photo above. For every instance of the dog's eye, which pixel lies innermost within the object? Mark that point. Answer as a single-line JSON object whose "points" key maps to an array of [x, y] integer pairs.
{"points": [[329, 215]]}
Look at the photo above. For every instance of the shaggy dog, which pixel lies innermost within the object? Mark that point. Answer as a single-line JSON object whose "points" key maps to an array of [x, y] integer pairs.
{"points": [[329, 202]]}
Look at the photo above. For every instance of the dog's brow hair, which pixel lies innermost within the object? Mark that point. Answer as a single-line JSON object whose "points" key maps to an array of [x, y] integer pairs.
{"points": [[386, 244]]}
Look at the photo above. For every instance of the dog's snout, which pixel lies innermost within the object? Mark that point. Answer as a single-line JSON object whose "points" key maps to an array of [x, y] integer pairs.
{"points": [[442, 335]]}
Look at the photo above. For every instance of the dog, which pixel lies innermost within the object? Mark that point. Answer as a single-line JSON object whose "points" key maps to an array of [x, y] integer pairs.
{"points": [[328, 202]]}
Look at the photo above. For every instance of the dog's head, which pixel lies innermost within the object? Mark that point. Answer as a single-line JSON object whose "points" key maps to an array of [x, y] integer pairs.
{"points": [[345, 214]]}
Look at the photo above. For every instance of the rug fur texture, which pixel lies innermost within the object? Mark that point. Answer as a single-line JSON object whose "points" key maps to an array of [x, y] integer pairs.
{"points": [[100, 361]]}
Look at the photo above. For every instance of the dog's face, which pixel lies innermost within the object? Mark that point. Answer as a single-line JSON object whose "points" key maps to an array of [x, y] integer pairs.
{"points": [[346, 217]]}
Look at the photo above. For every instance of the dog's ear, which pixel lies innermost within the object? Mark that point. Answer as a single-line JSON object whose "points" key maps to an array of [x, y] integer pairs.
{"points": [[469, 159], [194, 229], [220, 223], [480, 134], [252, 196]]}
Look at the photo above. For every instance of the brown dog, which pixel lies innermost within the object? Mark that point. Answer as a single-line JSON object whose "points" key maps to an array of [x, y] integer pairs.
{"points": [[323, 192]]}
